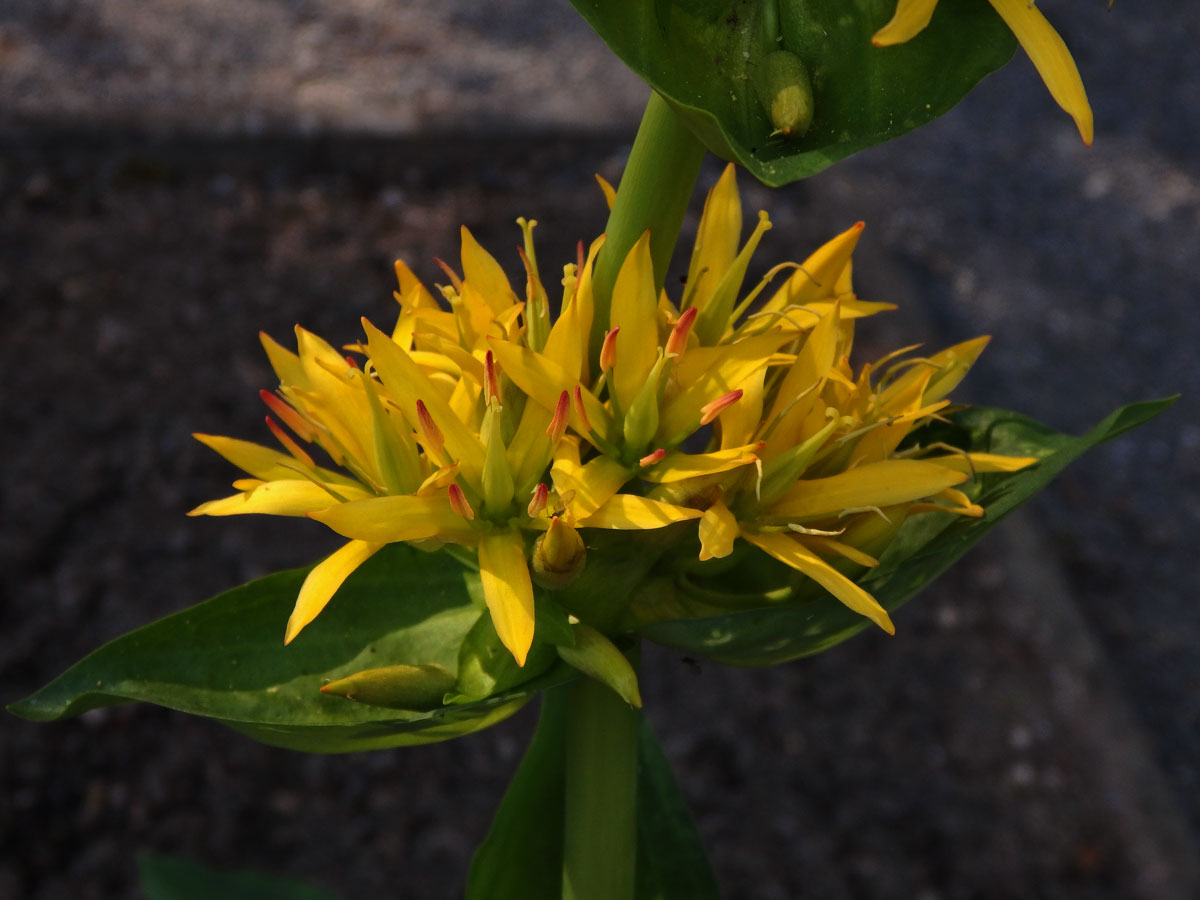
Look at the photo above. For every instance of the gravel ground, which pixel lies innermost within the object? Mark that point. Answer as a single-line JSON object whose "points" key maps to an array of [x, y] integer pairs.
{"points": [[1032, 731]]}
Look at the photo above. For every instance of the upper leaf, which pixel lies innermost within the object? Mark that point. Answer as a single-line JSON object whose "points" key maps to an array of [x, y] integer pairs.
{"points": [[708, 58], [924, 547]]}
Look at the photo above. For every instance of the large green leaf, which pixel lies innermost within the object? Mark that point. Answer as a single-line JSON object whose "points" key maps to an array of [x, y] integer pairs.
{"points": [[921, 551], [522, 853], [225, 659], [171, 878], [706, 57]]}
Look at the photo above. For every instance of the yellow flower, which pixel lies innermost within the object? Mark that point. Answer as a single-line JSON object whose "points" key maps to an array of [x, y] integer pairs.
{"points": [[433, 442], [1046, 49]]}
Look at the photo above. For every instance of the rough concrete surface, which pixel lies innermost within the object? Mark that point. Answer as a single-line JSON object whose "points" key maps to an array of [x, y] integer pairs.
{"points": [[171, 182]]}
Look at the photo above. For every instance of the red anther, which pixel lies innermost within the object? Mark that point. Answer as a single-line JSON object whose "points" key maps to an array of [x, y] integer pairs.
{"points": [[351, 361], [451, 274], [677, 342], [541, 496], [288, 444], [290, 417], [562, 415], [458, 502], [583, 417], [434, 440], [491, 380], [651, 458], [608, 352], [710, 411]]}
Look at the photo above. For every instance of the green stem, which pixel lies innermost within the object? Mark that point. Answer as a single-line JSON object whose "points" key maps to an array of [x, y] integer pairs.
{"points": [[600, 822], [654, 192]]}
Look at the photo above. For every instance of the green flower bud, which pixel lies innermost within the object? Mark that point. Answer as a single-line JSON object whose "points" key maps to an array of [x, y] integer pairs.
{"points": [[558, 556], [784, 89]]}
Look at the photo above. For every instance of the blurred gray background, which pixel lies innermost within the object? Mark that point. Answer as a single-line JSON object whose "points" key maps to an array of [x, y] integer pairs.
{"points": [[176, 175]]}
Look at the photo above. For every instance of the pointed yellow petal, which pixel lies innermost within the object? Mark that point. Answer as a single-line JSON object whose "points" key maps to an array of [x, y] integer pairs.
{"points": [[279, 498], [485, 275], [1051, 58], [800, 390], [508, 590], [285, 363], [678, 466], [412, 294], [817, 278], [875, 484], [609, 194], [710, 372], [405, 383], [323, 581], [716, 239], [264, 463], [402, 518], [630, 512], [718, 530], [982, 463], [909, 20], [829, 545], [589, 486], [635, 312], [791, 552]]}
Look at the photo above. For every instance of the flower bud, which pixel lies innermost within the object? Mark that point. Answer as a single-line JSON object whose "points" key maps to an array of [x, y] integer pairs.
{"points": [[558, 556]]}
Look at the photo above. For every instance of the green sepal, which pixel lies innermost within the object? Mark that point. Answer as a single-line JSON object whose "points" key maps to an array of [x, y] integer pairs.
{"points": [[803, 619], [172, 878], [704, 57], [486, 667], [522, 853], [225, 659], [402, 686], [596, 656]]}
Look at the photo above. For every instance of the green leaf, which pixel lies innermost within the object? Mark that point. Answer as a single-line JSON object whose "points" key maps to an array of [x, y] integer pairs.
{"points": [[225, 659], [522, 853], [170, 878], [707, 57], [924, 547], [671, 864]]}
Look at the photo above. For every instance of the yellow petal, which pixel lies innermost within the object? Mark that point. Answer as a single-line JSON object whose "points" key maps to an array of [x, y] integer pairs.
{"points": [[710, 372], [405, 383], [909, 20], [716, 239], [678, 466], [485, 275], [264, 463], [982, 463], [817, 278], [609, 194], [508, 590], [1051, 58], [829, 545], [875, 484], [790, 552], [589, 486], [635, 312], [630, 512], [279, 498], [412, 295], [402, 518], [285, 363], [800, 390], [718, 530], [323, 581]]}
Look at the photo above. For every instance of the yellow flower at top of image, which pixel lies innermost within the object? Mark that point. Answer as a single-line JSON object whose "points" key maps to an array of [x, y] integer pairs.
{"points": [[1046, 49]]}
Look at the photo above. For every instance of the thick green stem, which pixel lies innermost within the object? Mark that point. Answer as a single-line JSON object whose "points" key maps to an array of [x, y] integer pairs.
{"points": [[600, 823], [654, 193]]}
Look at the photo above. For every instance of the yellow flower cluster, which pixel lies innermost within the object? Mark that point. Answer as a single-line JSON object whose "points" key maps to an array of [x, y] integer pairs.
{"points": [[485, 426]]}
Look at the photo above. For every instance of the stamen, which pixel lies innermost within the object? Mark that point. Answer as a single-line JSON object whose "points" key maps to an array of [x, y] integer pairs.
{"points": [[451, 274], [458, 502], [583, 417], [291, 446], [351, 361], [608, 353], [711, 410], [562, 415], [434, 440], [491, 381], [651, 458], [541, 496], [290, 417], [677, 342]]}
